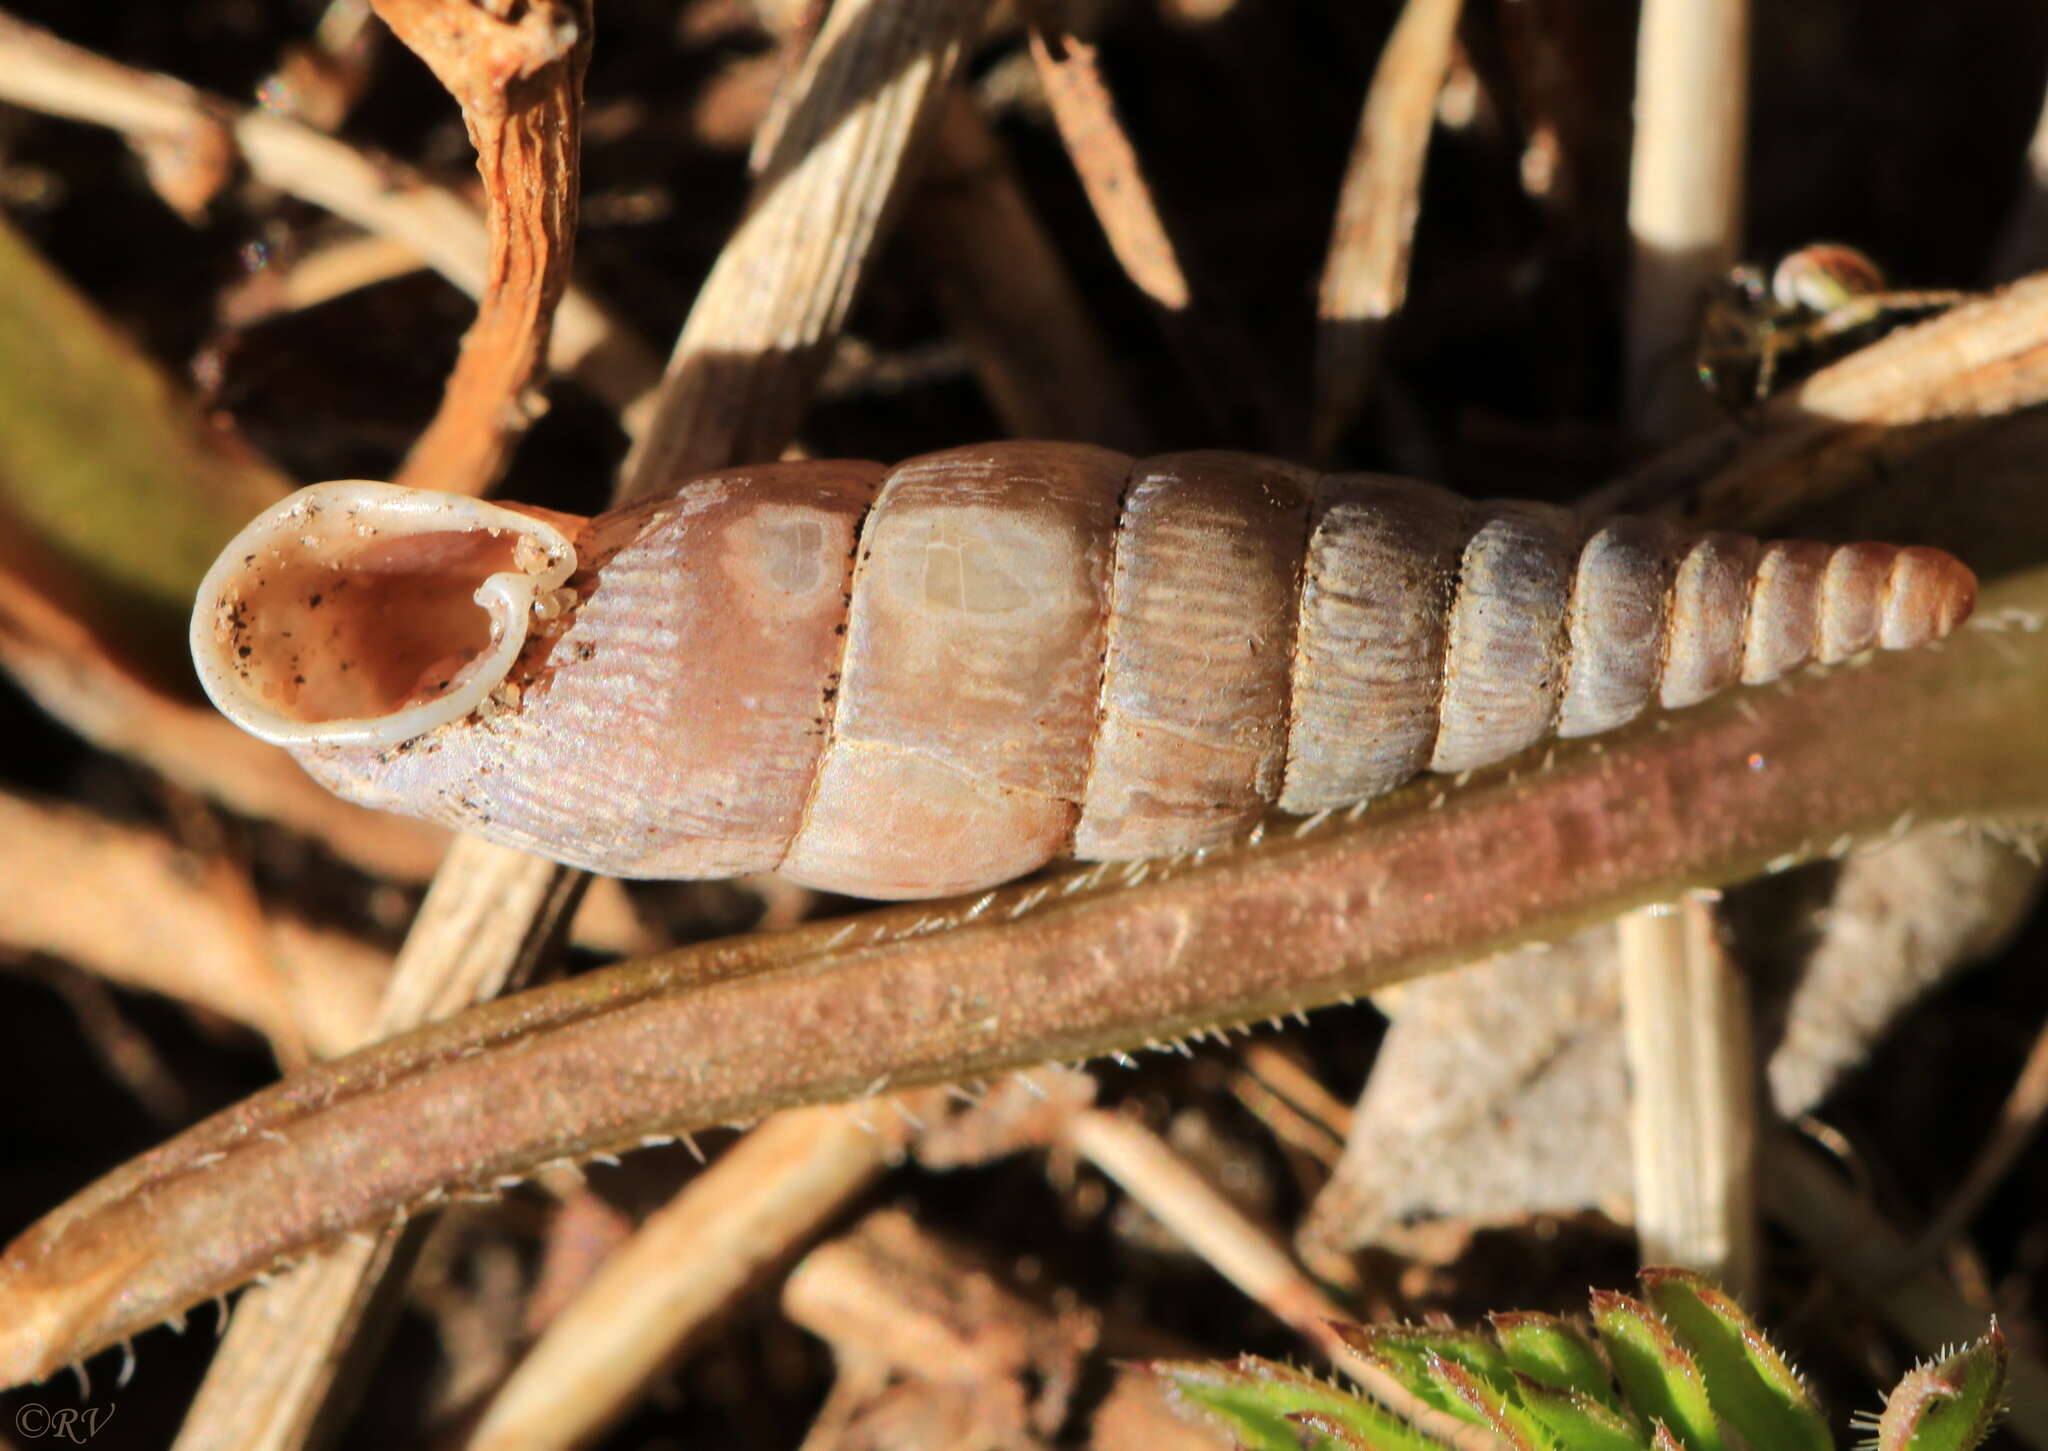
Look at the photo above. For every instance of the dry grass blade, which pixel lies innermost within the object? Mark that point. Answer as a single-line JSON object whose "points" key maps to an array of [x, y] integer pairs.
{"points": [[1692, 1125], [519, 79], [1856, 421], [1095, 961], [115, 494], [1844, 1232], [1685, 1008], [1108, 167], [871, 90], [183, 139], [297, 1343], [774, 1188], [39, 70], [1365, 275], [1007, 296], [1685, 196], [131, 906], [1152, 1173]]}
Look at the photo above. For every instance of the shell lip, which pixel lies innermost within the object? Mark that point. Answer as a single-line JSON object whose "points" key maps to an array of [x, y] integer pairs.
{"points": [[332, 514]]}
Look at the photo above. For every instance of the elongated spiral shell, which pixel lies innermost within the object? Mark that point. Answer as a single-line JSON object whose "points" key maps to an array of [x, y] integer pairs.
{"points": [[909, 681]]}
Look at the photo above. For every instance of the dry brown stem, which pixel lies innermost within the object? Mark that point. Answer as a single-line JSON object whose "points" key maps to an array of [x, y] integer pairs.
{"points": [[1365, 273], [518, 76], [39, 70], [132, 906], [1857, 421], [1844, 1232], [1093, 961], [486, 924], [929, 1312], [871, 90], [773, 1189], [1007, 295]]}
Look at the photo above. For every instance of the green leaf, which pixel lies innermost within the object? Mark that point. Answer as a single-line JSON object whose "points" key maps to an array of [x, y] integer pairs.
{"points": [[1749, 1382], [1554, 1352], [1491, 1406], [1658, 1377], [1267, 1406], [1579, 1421], [114, 489], [1949, 1404], [1405, 1351]]}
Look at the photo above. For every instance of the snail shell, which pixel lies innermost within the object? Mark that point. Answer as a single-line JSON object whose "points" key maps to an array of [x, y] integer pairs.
{"points": [[929, 678]]}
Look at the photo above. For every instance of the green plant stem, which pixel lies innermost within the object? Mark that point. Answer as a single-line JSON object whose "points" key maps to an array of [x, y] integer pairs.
{"points": [[1091, 961]]}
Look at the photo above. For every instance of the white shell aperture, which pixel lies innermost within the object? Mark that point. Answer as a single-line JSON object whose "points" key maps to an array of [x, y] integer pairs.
{"points": [[344, 615]]}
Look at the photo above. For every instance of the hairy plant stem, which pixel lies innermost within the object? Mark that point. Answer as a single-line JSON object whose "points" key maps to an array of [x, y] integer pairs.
{"points": [[1086, 962]]}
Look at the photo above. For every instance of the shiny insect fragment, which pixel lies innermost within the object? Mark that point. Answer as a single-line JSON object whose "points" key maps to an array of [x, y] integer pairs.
{"points": [[1759, 332]]}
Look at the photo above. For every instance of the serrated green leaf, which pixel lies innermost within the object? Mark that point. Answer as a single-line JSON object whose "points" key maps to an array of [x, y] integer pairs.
{"points": [[1491, 1406], [1749, 1382], [1404, 1351], [1659, 1378], [1579, 1421], [1264, 1404], [1554, 1352], [1950, 1404]]}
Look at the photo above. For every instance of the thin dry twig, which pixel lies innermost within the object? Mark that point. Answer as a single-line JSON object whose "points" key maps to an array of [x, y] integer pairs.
{"points": [[1692, 1111], [518, 76], [1006, 294], [2019, 1121], [1152, 1173], [41, 71], [1304, 1118], [872, 89], [773, 1189], [131, 906], [1098, 960], [486, 925], [1212, 353], [185, 142], [1865, 1253], [1108, 166], [1365, 273]]}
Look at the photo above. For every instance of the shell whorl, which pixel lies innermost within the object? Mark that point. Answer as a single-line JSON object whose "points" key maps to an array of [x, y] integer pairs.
{"points": [[909, 681]]}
